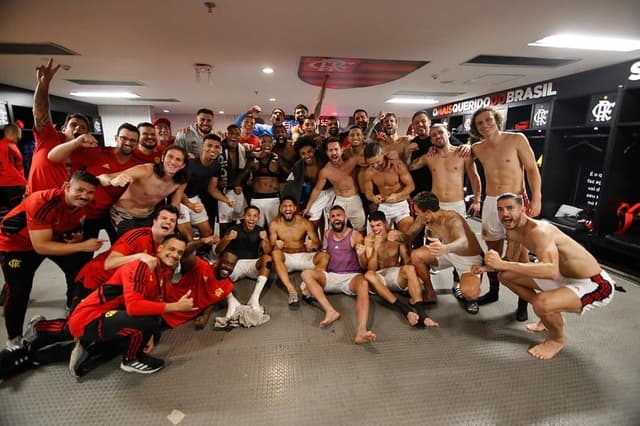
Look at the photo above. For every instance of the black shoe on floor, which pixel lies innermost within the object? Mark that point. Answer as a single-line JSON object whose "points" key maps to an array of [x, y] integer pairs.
{"points": [[489, 297], [471, 306], [522, 313], [144, 364], [457, 293]]}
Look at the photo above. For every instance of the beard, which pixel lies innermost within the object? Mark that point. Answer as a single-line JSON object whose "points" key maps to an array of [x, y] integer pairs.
{"points": [[337, 226]]}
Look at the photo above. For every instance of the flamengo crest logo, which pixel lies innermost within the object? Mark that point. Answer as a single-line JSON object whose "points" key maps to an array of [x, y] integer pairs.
{"points": [[540, 117], [602, 111]]}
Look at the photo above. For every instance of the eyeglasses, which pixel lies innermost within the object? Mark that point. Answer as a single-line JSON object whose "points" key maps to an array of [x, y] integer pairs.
{"points": [[126, 139]]}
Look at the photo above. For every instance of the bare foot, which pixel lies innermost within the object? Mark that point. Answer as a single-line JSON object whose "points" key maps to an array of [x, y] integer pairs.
{"points": [[428, 322], [413, 318], [330, 317], [539, 326], [536, 327], [366, 337], [547, 349]]}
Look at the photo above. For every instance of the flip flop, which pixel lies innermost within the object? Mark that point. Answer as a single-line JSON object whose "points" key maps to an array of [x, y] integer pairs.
{"points": [[294, 301]]}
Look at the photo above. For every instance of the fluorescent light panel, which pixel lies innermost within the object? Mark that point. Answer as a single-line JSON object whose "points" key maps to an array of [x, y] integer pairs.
{"points": [[410, 101], [114, 95], [576, 41]]}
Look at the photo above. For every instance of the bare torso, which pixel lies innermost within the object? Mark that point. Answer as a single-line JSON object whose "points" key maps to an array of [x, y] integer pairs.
{"points": [[292, 234], [388, 253], [574, 261], [447, 170], [142, 195], [502, 166], [448, 227], [342, 177], [386, 180], [400, 145]]}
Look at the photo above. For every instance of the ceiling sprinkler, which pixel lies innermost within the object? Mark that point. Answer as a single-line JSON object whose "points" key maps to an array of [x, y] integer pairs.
{"points": [[210, 6]]}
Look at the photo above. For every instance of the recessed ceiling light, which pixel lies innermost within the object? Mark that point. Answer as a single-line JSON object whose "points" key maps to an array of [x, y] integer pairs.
{"points": [[410, 100], [272, 99], [575, 41], [118, 95], [335, 113], [267, 70], [220, 112], [165, 110]]}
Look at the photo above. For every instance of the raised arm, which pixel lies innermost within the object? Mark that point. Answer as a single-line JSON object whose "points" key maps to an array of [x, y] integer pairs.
{"points": [[41, 114], [62, 152], [320, 99]]}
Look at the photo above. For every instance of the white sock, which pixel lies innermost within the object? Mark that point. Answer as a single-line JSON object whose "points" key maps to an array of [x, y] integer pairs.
{"points": [[254, 300], [232, 305]]}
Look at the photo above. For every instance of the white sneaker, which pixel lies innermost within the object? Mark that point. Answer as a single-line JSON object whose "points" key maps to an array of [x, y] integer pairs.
{"points": [[14, 344]]}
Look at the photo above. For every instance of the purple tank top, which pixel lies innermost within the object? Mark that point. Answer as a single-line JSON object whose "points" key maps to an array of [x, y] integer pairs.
{"points": [[343, 257]]}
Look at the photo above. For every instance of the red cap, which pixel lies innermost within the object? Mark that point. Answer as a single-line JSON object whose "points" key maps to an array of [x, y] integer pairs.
{"points": [[161, 120]]}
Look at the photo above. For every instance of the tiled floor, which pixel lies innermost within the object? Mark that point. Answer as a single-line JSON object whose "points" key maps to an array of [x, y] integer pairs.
{"points": [[471, 370]]}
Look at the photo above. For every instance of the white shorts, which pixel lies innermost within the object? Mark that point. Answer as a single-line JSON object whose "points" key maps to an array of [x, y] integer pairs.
{"points": [[245, 268], [299, 261], [457, 206], [462, 264], [395, 212], [269, 208], [189, 216], [321, 205], [353, 208], [390, 277], [593, 292], [339, 282], [228, 214], [492, 228]]}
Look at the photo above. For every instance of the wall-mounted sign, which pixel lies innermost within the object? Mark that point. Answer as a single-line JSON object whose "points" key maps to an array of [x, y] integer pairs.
{"points": [[521, 94], [540, 115], [601, 108], [635, 71]]}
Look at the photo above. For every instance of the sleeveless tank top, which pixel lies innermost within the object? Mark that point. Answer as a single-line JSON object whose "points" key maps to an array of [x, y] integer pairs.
{"points": [[343, 257]]}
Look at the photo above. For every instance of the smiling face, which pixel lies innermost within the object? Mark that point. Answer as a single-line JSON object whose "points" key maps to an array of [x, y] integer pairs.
{"points": [[361, 119], [486, 124], [356, 138], [308, 155], [309, 126], [211, 149], [225, 265], [233, 137], [277, 116], [173, 161], [126, 141], [390, 125], [148, 138], [420, 125], [78, 193], [163, 132], [280, 133], [266, 143], [204, 122], [333, 127], [378, 227], [164, 225], [299, 114], [170, 252], [250, 219]]}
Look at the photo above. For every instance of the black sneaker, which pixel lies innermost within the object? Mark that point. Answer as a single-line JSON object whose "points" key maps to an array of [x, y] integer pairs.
{"points": [[78, 355], [144, 364], [457, 293], [472, 307]]}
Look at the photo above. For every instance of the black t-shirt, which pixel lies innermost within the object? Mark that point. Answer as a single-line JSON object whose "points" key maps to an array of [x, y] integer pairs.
{"points": [[247, 244], [199, 176]]}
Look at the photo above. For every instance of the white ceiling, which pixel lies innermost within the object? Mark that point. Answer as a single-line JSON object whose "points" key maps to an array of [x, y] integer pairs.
{"points": [[157, 43]]}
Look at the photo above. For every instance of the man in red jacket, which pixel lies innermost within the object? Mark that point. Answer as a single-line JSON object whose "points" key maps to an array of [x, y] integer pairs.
{"points": [[12, 180], [128, 307]]}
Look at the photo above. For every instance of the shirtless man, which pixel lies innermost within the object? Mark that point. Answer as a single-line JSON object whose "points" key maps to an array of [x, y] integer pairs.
{"points": [[456, 246], [295, 245], [344, 274], [148, 185], [342, 175], [355, 148], [394, 185], [447, 170], [385, 272], [506, 158], [264, 171], [566, 277], [284, 148], [392, 142]]}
